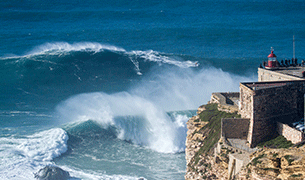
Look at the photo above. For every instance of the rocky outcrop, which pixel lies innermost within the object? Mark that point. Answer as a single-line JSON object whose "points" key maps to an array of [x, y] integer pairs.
{"points": [[52, 173], [193, 139], [193, 143], [198, 167], [276, 164]]}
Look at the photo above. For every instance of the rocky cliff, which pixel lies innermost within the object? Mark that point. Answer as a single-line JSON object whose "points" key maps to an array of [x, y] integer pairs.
{"points": [[202, 163], [203, 133], [276, 164]]}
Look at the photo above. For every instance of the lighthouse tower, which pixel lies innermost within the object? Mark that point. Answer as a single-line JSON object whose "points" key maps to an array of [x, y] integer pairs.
{"points": [[272, 62]]}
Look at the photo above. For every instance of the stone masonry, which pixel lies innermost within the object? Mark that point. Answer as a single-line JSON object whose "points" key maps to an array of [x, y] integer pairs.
{"points": [[227, 102], [282, 74], [277, 97], [235, 128], [291, 134], [265, 103]]}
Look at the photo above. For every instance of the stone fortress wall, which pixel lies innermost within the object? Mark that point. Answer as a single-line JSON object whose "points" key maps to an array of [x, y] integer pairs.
{"points": [[288, 74], [266, 103], [291, 134], [235, 128]]}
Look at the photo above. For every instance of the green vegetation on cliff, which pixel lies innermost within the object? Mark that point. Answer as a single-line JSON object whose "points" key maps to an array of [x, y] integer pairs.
{"points": [[213, 129], [277, 141]]}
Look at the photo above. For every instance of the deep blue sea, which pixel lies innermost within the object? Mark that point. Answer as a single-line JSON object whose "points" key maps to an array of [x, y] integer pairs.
{"points": [[103, 89]]}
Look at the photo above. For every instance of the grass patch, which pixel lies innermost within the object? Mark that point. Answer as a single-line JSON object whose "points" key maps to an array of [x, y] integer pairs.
{"points": [[270, 169], [213, 129], [296, 175], [289, 159], [256, 161], [277, 141]]}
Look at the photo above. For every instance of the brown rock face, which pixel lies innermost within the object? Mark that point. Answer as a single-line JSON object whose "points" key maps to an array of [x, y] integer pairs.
{"points": [[201, 166], [277, 164]]}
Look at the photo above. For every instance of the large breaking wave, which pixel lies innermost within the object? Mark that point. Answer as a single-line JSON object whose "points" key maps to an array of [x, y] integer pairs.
{"points": [[136, 119], [103, 91], [140, 115], [140, 112], [51, 52], [132, 90]]}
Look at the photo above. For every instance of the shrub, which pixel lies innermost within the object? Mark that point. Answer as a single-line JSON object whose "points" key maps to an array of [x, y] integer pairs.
{"points": [[277, 141]]}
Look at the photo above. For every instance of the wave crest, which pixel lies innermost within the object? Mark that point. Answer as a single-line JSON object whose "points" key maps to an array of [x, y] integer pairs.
{"points": [[154, 56], [47, 51], [136, 119], [58, 47]]}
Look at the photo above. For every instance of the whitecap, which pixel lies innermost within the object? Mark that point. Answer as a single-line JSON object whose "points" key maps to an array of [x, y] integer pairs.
{"points": [[21, 157]]}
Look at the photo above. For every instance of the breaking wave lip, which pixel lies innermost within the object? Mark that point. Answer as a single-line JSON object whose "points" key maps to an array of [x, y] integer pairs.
{"points": [[137, 119], [64, 48], [58, 47], [157, 57]]}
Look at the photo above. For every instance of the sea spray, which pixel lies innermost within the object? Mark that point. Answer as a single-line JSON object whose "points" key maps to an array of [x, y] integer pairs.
{"points": [[136, 119], [139, 114], [172, 88], [160, 58]]}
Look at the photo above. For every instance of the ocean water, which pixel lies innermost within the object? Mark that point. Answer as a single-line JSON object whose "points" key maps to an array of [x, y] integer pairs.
{"points": [[103, 89]]}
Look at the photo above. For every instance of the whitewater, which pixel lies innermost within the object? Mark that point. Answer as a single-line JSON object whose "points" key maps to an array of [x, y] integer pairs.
{"points": [[103, 90]]}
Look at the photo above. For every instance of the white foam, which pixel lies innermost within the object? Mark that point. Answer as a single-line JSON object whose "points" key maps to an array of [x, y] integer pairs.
{"points": [[181, 130], [83, 107], [57, 47], [182, 89], [149, 55], [154, 56], [92, 175], [21, 157], [153, 129]]}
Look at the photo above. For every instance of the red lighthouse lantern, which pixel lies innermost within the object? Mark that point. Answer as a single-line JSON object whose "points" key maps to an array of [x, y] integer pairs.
{"points": [[272, 62]]}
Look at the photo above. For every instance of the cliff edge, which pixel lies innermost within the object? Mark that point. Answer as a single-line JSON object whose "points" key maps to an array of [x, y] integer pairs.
{"points": [[203, 134]]}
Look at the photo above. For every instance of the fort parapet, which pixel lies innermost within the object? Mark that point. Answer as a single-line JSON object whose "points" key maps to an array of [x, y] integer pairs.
{"points": [[281, 74], [227, 101]]}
